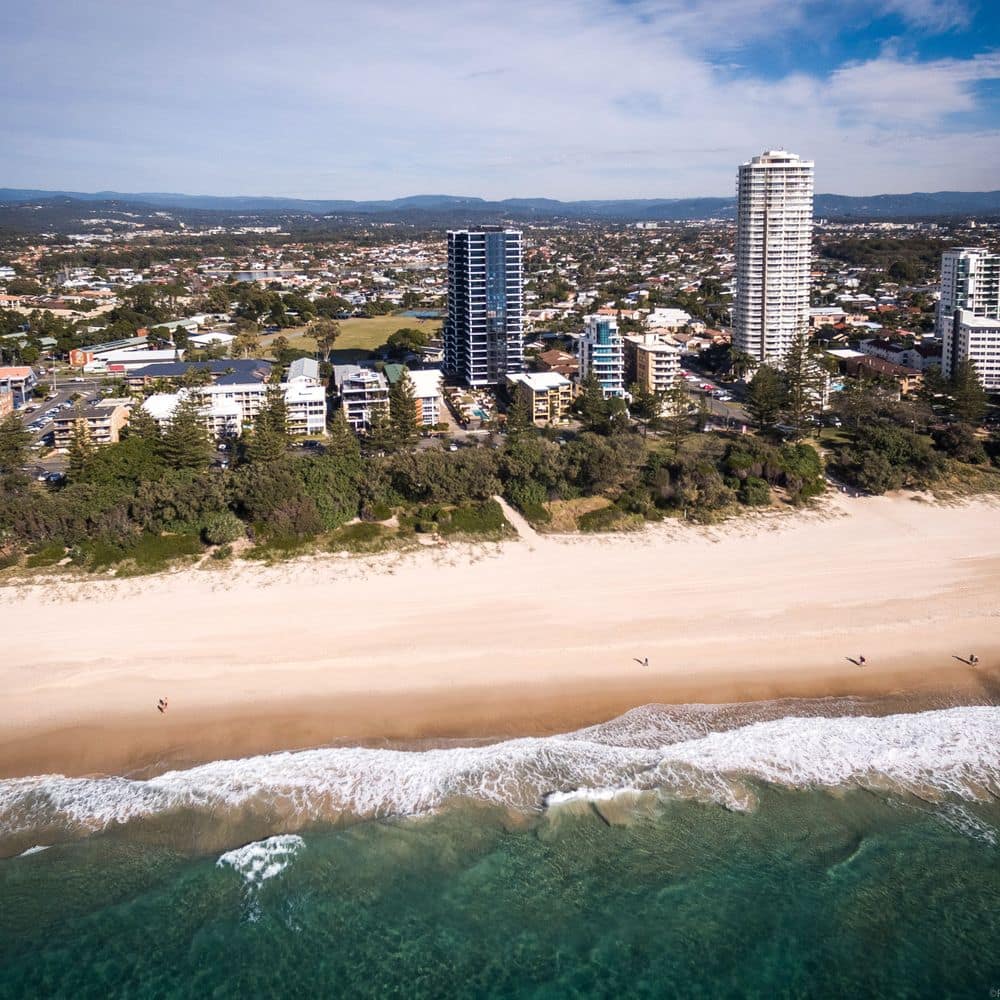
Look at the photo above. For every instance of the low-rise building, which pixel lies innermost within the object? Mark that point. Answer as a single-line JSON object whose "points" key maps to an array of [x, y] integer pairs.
{"points": [[20, 381], [6, 403], [104, 421], [667, 319], [547, 395], [362, 392], [305, 398], [868, 366], [559, 362]]}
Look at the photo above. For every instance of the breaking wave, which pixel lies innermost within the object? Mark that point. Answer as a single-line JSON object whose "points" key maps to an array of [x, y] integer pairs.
{"points": [[705, 753], [263, 859]]}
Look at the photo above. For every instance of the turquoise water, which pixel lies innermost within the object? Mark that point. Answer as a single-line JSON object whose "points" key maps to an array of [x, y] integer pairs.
{"points": [[724, 854]]}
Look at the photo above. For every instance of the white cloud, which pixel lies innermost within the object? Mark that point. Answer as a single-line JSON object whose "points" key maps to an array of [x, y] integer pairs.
{"points": [[571, 98]]}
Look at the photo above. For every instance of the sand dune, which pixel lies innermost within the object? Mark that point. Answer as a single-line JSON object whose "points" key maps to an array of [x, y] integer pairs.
{"points": [[535, 635]]}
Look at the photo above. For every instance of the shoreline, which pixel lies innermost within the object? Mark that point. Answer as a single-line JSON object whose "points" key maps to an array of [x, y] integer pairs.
{"points": [[479, 643]]}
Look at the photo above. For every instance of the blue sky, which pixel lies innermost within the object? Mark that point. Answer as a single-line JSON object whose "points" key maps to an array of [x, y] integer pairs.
{"points": [[562, 98]]}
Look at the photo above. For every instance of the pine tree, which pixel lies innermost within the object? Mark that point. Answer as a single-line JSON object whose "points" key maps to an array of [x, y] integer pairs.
{"points": [[676, 420], [185, 443], [379, 438], [142, 425], [591, 405], [342, 439], [519, 416], [804, 381], [403, 412], [765, 396], [81, 450], [269, 440], [14, 441], [967, 393]]}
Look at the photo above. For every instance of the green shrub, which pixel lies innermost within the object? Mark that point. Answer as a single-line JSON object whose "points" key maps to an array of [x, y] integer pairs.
{"points": [[365, 536], [474, 519], [536, 513], [377, 512], [47, 555], [605, 519], [755, 492], [222, 528], [222, 553]]}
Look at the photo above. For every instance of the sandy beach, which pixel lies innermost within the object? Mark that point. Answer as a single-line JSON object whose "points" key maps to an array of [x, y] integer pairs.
{"points": [[536, 635]]}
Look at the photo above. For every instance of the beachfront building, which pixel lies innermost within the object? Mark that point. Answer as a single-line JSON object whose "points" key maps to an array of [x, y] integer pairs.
{"points": [[6, 403], [773, 254], [305, 398], [362, 392], [970, 280], [652, 362], [223, 418], [427, 391], [103, 420], [977, 339], [484, 331], [20, 381], [547, 395], [602, 354]]}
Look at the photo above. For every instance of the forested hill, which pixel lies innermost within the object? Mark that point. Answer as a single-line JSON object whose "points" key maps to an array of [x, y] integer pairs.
{"points": [[24, 210]]}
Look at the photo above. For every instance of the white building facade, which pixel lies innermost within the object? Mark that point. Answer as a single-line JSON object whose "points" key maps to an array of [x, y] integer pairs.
{"points": [[773, 254], [970, 284], [602, 353], [976, 339]]}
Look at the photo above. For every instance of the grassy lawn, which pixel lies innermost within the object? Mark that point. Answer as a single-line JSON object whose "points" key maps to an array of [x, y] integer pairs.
{"points": [[358, 336]]}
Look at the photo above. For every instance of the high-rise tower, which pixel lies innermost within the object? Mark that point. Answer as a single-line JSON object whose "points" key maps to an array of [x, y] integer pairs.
{"points": [[773, 254], [968, 311], [484, 334]]}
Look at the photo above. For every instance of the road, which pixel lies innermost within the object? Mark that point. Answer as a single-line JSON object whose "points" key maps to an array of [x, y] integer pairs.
{"points": [[731, 413]]}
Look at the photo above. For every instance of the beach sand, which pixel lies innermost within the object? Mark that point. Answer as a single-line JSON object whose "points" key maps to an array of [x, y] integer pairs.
{"points": [[532, 636]]}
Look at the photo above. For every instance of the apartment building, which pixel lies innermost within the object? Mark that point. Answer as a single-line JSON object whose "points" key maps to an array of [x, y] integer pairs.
{"points": [[773, 254], [602, 353], [6, 403], [970, 280], [305, 398], [104, 421], [362, 392], [223, 418], [976, 339], [547, 395], [652, 362], [484, 328], [427, 385]]}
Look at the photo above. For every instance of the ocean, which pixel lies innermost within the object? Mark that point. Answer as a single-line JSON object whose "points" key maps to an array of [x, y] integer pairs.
{"points": [[828, 848]]}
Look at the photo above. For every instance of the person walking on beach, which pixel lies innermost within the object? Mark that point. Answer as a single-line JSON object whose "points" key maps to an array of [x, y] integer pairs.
{"points": [[861, 660], [162, 705], [973, 659]]}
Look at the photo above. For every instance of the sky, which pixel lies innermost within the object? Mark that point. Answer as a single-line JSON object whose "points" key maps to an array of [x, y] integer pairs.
{"points": [[566, 99]]}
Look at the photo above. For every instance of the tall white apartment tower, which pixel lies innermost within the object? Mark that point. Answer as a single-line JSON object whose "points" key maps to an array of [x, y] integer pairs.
{"points": [[970, 282], [773, 254]]}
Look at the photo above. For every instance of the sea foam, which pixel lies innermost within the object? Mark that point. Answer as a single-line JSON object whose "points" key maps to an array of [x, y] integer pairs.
{"points": [[263, 859], [704, 753]]}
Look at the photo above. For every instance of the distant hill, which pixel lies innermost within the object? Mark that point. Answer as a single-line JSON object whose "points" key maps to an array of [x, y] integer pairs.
{"points": [[34, 209]]}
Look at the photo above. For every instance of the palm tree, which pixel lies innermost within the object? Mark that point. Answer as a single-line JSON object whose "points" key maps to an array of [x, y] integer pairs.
{"points": [[740, 363]]}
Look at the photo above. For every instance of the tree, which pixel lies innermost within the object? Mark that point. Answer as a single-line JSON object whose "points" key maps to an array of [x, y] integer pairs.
{"points": [[142, 425], [81, 450], [14, 440], [804, 383], [519, 416], [403, 412], [269, 440], [342, 440], [765, 396], [279, 345], [325, 332], [740, 363], [185, 443], [379, 438], [968, 396], [246, 342], [676, 421]]}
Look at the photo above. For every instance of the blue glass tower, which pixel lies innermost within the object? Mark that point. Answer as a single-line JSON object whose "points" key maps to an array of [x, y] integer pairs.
{"points": [[484, 332]]}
